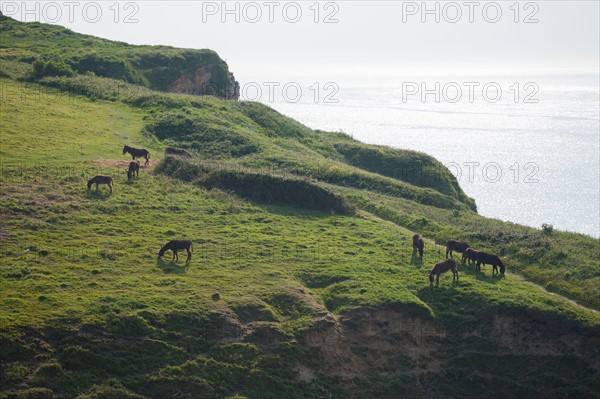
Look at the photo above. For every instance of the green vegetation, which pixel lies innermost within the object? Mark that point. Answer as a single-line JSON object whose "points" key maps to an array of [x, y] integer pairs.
{"points": [[303, 282], [35, 50]]}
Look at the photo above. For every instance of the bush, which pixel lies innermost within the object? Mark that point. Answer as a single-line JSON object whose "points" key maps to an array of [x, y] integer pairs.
{"points": [[547, 228], [258, 186], [208, 138], [51, 68]]}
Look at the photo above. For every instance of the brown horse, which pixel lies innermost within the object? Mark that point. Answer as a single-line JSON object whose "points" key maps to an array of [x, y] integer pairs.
{"points": [[455, 246], [100, 180], [469, 255], [134, 168], [418, 244], [489, 259], [177, 245], [443, 267], [137, 153]]}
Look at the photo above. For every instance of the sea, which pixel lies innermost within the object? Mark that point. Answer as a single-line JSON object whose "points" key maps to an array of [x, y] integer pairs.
{"points": [[525, 147]]}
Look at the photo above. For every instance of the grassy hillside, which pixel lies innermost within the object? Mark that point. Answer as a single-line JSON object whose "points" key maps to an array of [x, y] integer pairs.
{"points": [[34, 50], [303, 283], [88, 309]]}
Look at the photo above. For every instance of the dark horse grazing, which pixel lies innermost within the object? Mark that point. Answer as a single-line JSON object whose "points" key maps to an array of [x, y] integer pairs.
{"points": [[134, 168], [489, 259], [177, 245], [455, 246], [137, 153], [443, 267], [177, 151], [418, 244], [469, 255], [101, 180]]}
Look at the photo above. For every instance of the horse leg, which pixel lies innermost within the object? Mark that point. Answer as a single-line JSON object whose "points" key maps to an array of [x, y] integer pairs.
{"points": [[147, 161], [110, 186], [174, 253], [96, 186], [447, 250], [189, 253]]}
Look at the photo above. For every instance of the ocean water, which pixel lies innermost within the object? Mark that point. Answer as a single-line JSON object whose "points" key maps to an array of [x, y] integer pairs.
{"points": [[530, 158]]}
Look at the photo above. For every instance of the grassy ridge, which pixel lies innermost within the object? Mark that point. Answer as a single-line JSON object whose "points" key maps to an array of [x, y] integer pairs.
{"points": [[223, 130], [26, 49]]}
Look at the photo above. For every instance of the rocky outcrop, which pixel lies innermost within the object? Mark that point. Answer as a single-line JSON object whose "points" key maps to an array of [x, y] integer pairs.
{"points": [[206, 81]]}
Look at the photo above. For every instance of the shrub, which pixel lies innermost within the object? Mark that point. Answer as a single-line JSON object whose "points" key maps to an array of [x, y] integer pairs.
{"points": [[209, 138], [547, 228], [258, 186], [43, 68]]}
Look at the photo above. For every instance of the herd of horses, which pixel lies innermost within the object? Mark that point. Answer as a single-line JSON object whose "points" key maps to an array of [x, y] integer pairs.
{"points": [[134, 170], [469, 255]]}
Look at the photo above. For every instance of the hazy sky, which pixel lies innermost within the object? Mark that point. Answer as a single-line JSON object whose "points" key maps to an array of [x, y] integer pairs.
{"points": [[369, 37]]}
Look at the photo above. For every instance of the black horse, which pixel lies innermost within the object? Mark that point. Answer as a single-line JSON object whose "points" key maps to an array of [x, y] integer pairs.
{"points": [[134, 168], [443, 267], [489, 259], [418, 244], [455, 246], [137, 153], [469, 255], [177, 245]]}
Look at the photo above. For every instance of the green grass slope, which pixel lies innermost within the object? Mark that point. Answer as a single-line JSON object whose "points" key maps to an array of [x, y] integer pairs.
{"points": [[34, 50], [303, 282], [87, 309]]}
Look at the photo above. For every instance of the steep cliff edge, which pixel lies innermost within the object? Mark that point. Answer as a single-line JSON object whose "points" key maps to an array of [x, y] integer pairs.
{"points": [[33, 50]]}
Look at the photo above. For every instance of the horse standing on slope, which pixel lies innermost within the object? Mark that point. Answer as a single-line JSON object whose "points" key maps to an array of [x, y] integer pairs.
{"points": [[137, 153], [177, 245], [455, 246], [101, 180], [443, 267], [134, 168], [469, 255], [418, 244], [489, 259]]}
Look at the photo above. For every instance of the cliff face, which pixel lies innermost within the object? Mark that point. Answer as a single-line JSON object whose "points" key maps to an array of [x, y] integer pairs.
{"points": [[164, 68], [500, 356], [210, 80]]}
